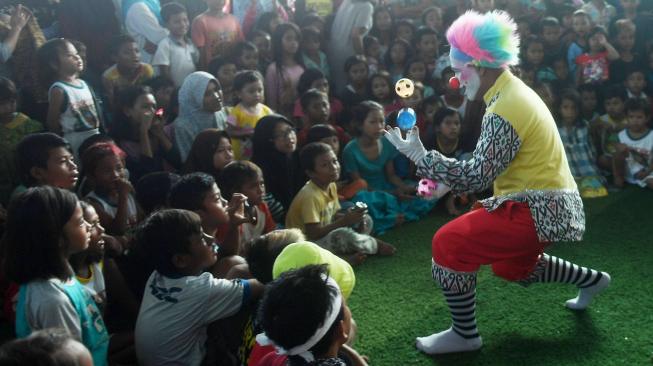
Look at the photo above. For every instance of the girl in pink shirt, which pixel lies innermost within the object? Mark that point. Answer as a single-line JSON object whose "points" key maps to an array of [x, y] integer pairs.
{"points": [[283, 74]]}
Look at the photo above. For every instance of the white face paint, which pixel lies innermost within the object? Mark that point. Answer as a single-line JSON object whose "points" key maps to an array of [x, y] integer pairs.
{"points": [[469, 78]]}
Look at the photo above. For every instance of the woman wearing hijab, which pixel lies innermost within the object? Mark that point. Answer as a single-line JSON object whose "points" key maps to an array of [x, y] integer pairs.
{"points": [[200, 107], [142, 19]]}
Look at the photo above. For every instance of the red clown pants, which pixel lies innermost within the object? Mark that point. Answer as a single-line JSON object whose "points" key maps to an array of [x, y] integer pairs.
{"points": [[504, 238]]}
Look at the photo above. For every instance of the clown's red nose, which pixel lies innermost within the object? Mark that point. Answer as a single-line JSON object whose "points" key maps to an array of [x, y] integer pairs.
{"points": [[454, 83]]}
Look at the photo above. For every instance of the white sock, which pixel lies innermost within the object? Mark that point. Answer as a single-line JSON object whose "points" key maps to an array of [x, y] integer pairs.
{"points": [[586, 294], [589, 281], [447, 341]]}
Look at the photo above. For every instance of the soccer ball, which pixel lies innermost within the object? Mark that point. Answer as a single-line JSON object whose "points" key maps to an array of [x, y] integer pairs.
{"points": [[430, 189], [404, 88]]}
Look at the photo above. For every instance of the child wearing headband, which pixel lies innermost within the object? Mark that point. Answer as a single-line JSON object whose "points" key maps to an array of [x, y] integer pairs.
{"points": [[303, 314]]}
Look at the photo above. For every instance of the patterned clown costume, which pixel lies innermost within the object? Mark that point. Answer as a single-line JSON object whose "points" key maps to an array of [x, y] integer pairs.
{"points": [[536, 201]]}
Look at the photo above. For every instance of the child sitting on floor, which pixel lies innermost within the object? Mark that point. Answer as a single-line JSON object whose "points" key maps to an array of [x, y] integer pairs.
{"points": [[604, 129], [316, 108], [36, 252], [314, 209], [45, 159], [311, 304], [181, 299], [370, 156], [112, 195], [327, 134], [199, 193], [574, 135], [247, 178], [447, 140], [97, 272], [281, 250]]}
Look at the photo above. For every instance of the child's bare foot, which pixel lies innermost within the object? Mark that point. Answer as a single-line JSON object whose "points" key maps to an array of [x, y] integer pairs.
{"points": [[385, 248], [355, 259]]}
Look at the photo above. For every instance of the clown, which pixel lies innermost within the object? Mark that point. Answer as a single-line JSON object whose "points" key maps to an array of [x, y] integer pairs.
{"points": [[535, 202]]}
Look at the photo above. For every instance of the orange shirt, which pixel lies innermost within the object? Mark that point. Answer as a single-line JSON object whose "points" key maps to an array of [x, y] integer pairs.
{"points": [[218, 34]]}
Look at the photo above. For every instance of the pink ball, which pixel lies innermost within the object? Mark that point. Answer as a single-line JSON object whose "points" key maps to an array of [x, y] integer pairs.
{"points": [[426, 188]]}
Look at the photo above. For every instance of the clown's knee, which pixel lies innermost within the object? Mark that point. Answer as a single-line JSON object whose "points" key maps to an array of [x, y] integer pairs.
{"points": [[447, 247]]}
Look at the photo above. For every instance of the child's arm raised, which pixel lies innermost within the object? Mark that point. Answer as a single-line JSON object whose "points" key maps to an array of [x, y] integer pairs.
{"points": [[145, 142], [159, 133], [19, 18], [56, 100], [121, 220], [237, 217], [118, 224], [613, 54]]}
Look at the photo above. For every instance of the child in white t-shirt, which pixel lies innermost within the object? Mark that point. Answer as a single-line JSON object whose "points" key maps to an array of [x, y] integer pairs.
{"points": [[180, 299], [634, 159], [176, 56]]}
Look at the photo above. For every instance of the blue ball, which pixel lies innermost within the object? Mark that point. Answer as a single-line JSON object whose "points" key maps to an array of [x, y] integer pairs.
{"points": [[406, 118]]}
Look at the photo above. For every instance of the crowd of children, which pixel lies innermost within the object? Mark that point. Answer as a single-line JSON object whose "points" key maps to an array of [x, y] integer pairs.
{"points": [[147, 194]]}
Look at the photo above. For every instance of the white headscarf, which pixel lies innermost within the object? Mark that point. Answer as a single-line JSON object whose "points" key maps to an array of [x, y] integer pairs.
{"points": [[192, 118], [191, 98]]}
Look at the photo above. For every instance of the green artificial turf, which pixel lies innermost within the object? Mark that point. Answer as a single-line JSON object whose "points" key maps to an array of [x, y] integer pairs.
{"points": [[395, 299]]}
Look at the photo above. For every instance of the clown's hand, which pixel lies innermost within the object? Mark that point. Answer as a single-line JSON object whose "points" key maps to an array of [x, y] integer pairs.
{"points": [[411, 146]]}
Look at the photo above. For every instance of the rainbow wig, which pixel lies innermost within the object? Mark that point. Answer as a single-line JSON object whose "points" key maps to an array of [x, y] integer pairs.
{"points": [[485, 40]]}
